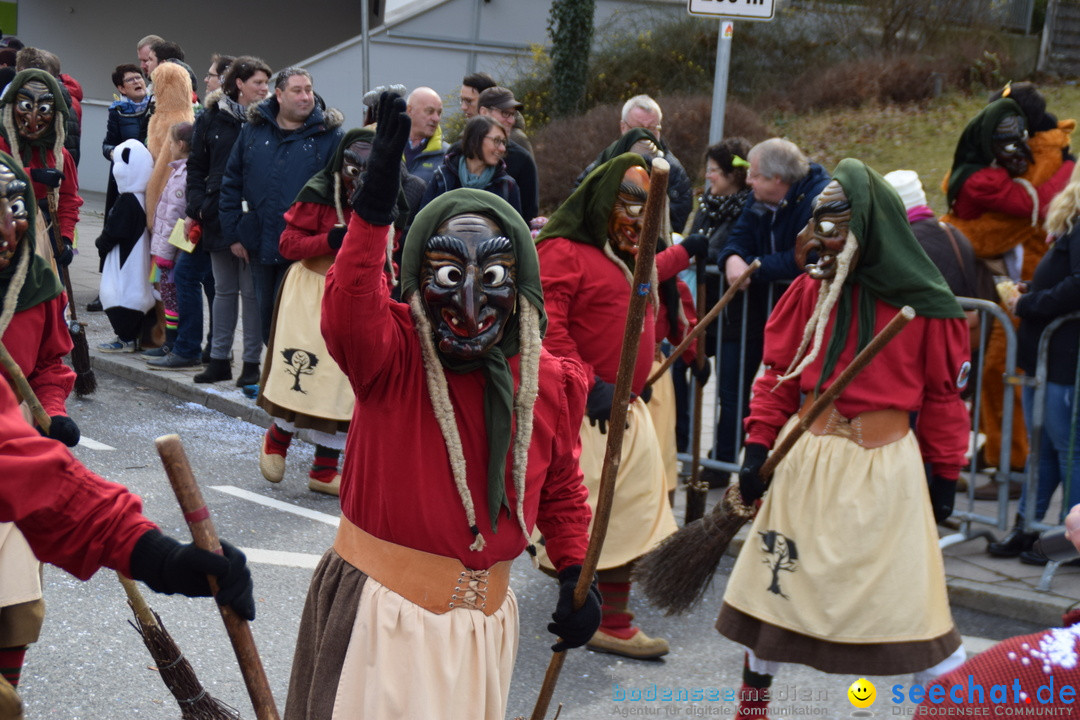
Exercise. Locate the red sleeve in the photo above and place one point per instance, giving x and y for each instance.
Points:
(306, 228)
(943, 423)
(356, 297)
(563, 517)
(993, 189)
(671, 262)
(771, 406)
(69, 201)
(52, 380)
(561, 274)
(71, 517)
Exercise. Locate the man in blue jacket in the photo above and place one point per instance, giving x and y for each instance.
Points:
(287, 139)
(784, 184)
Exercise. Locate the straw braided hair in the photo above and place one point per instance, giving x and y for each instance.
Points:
(819, 318)
(524, 402)
(15, 287)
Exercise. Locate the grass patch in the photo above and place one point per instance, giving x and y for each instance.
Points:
(920, 136)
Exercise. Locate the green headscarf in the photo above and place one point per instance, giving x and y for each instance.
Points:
(7, 103)
(975, 150)
(627, 141)
(583, 217)
(892, 266)
(499, 389)
(320, 188)
(41, 283)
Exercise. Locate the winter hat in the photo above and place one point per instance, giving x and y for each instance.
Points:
(908, 187)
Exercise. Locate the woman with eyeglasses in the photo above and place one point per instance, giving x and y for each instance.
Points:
(476, 162)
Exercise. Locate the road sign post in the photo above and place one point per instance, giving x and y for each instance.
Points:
(762, 10)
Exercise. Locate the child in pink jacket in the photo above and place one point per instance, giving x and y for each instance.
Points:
(170, 208)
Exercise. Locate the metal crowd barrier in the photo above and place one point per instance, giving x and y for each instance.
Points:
(1038, 417)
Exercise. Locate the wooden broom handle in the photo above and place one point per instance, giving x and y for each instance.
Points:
(705, 321)
(635, 317)
(205, 536)
(902, 318)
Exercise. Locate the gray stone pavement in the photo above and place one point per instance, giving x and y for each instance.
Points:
(975, 579)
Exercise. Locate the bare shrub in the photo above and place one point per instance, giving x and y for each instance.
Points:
(563, 148)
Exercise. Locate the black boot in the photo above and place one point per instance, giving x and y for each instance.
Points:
(1015, 541)
(215, 370)
(249, 375)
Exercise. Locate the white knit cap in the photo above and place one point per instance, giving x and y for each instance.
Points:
(907, 185)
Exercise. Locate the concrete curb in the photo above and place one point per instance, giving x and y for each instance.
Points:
(183, 389)
(1040, 608)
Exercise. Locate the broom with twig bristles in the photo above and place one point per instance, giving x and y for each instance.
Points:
(176, 672)
(676, 573)
(85, 380)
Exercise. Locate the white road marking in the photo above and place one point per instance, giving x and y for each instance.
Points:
(277, 504)
(94, 444)
(282, 558)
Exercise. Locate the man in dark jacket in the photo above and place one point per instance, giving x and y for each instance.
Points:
(287, 140)
(641, 111)
(784, 184)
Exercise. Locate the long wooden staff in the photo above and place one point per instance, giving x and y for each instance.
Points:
(205, 536)
(704, 322)
(695, 493)
(635, 317)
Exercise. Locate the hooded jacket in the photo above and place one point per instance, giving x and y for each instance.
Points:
(266, 169)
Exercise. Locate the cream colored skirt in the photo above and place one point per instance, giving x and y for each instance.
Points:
(302, 376)
(662, 410)
(641, 515)
(844, 548)
(406, 662)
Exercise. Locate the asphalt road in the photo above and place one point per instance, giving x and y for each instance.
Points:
(90, 663)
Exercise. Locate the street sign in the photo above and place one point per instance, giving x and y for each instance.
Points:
(740, 9)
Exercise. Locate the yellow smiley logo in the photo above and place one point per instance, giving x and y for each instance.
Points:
(862, 693)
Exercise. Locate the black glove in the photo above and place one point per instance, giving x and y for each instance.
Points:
(702, 373)
(49, 177)
(375, 199)
(697, 245)
(751, 484)
(64, 429)
(574, 627)
(646, 396)
(66, 254)
(167, 566)
(598, 404)
(942, 497)
(336, 236)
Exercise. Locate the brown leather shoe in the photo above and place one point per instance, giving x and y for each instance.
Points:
(638, 647)
(330, 488)
(11, 707)
(989, 491)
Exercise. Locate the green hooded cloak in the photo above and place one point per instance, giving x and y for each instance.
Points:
(975, 150)
(320, 188)
(41, 283)
(7, 109)
(892, 266)
(499, 389)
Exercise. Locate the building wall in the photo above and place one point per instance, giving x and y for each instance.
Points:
(435, 47)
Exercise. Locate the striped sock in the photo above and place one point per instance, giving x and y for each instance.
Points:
(277, 441)
(11, 662)
(615, 617)
(172, 319)
(325, 466)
